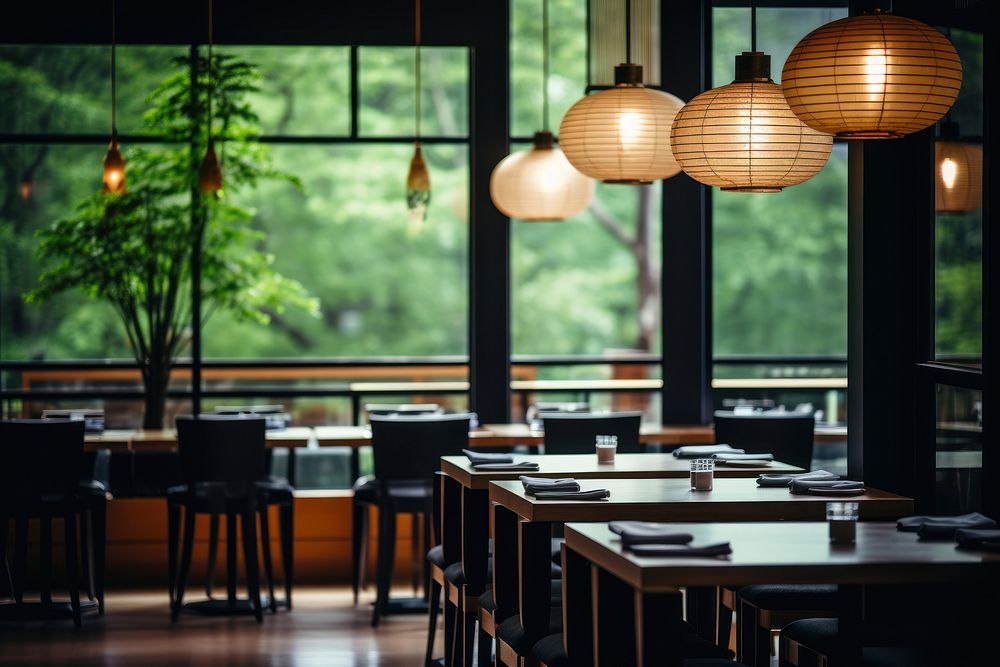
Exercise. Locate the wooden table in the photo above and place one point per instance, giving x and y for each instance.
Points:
(599, 575)
(522, 525)
(682, 434)
(165, 440)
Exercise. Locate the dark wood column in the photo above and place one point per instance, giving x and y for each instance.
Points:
(686, 286)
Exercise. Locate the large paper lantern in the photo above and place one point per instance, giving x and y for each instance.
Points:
(958, 173)
(742, 137)
(539, 184)
(876, 76)
(622, 135)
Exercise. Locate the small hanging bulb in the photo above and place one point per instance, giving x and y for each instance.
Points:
(210, 173)
(26, 188)
(114, 169)
(418, 190)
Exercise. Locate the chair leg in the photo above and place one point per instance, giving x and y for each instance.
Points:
(450, 623)
(416, 561)
(484, 651)
(7, 583)
(20, 557)
(265, 546)
(45, 558)
(725, 620)
(359, 535)
(86, 554)
(231, 558)
(173, 537)
(468, 635)
(98, 541)
(434, 607)
(213, 553)
(386, 559)
(71, 566)
(187, 546)
(250, 560)
(286, 515)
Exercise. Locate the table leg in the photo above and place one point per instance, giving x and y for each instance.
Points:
(475, 539)
(702, 610)
(535, 555)
(504, 524)
(615, 628)
(657, 629)
(850, 614)
(578, 627)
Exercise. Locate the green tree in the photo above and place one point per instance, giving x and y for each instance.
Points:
(133, 250)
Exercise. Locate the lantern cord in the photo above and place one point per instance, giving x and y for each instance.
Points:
(114, 75)
(753, 26)
(628, 31)
(545, 65)
(417, 62)
(211, 27)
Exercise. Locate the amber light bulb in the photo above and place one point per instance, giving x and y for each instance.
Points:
(210, 173)
(114, 169)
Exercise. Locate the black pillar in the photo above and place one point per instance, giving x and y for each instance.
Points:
(489, 230)
(686, 284)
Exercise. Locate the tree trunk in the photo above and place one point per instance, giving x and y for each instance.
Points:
(155, 380)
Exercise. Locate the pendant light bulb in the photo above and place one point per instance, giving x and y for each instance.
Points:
(114, 169)
(958, 172)
(26, 188)
(418, 189)
(210, 173)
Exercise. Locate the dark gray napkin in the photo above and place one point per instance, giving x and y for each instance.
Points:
(840, 487)
(533, 485)
(688, 550)
(526, 466)
(645, 532)
(979, 539)
(700, 451)
(943, 527)
(727, 456)
(485, 457)
(785, 480)
(593, 494)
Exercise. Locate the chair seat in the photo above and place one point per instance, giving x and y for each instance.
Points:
(436, 556)
(550, 651)
(278, 490)
(512, 634)
(790, 597)
(488, 602)
(365, 489)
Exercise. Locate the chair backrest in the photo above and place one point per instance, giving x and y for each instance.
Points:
(222, 448)
(39, 456)
(569, 433)
(403, 409)
(410, 448)
(787, 435)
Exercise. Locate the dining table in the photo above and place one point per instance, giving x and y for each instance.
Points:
(617, 604)
(522, 527)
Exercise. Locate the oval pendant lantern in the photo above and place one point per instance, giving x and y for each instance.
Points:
(622, 135)
(540, 185)
(113, 179)
(418, 178)
(958, 173)
(874, 76)
(210, 172)
(742, 137)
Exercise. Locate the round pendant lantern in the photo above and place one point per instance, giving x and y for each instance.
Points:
(742, 137)
(622, 135)
(958, 173)
(876, 76)
(539, 184)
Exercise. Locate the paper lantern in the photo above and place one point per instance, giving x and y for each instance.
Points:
(742, 137)
(539, 184)
(958, 173)
(876, 76)
(622, 135)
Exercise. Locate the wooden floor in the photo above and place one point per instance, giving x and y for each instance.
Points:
(323, 629)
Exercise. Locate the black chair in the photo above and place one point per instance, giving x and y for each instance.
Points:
(366, 495)
(787, 435)
(223, 465)
(570, 433)
(407, 453)
(39, 479)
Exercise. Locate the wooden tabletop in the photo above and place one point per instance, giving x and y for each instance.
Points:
(787, 552)
(585, 466)
(165, 440)
(673, 500)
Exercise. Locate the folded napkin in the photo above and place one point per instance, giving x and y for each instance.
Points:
(644, 532)
(838, 487)
(533, 485)
(689, 550)
(980, 539)
(697, 451)
(484, 457)
(943, 526)
(785, 480)
(525, 466)
(593, 494)
(742, 458)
